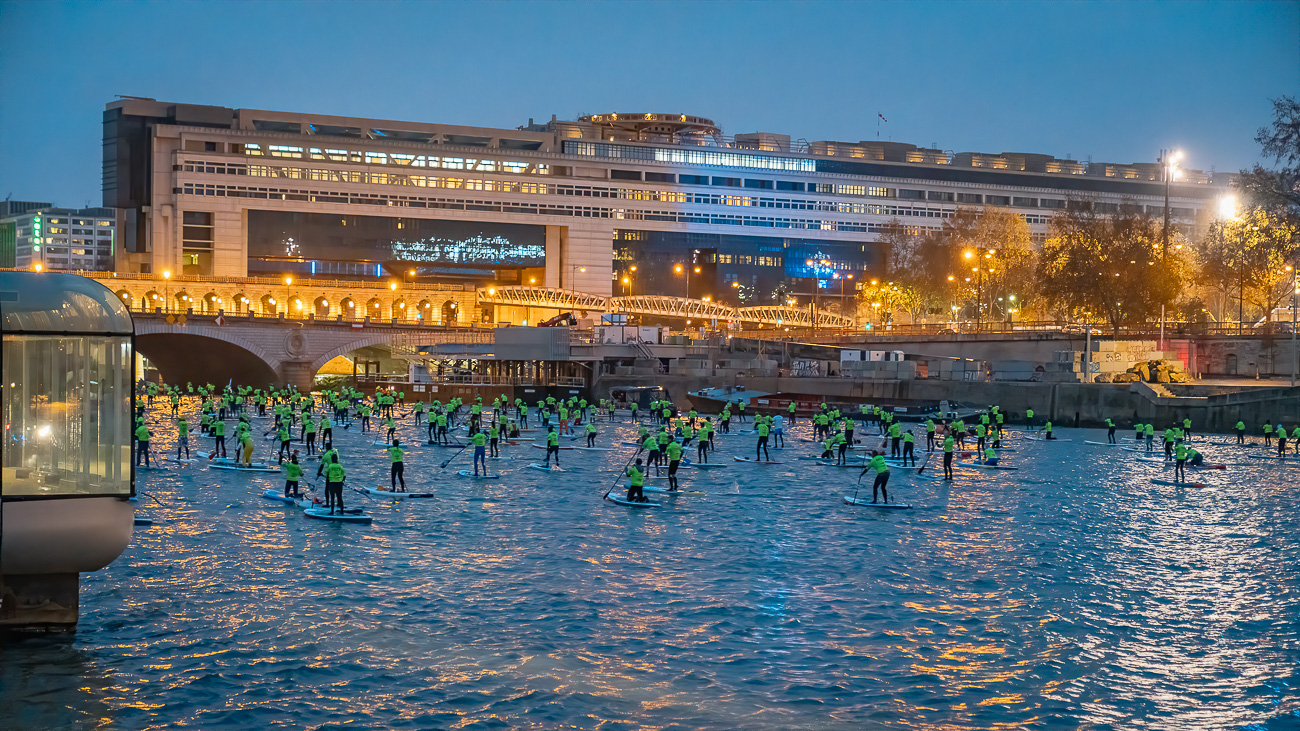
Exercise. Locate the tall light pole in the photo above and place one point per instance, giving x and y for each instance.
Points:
(573, 270)
(1169, 166)
(288, 281)
(167, 290)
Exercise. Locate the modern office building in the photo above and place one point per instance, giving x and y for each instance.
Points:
(609, 204)
(73, 239)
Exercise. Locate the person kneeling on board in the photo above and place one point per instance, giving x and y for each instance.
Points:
(1048, 429)
(990, 456)
(636, 478)
(398, 471)
(292, 473)
(1194, 458)
(877, 463)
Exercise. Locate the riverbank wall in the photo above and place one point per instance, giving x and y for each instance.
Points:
(1066, 404)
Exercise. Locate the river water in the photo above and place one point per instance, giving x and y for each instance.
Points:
(1072, 593)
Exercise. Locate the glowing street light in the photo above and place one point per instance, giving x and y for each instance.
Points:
(1227, 207)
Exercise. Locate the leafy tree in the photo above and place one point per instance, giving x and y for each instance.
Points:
(1256, 252)
(1280, 188)
(1108, 267)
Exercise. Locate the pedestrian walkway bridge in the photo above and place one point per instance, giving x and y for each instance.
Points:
(659, 306)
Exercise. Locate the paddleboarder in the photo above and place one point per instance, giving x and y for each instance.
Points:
(292, 474)
(877, 463)
(636, 479)
(397, 473)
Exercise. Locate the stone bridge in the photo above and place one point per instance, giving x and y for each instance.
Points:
(272, 349)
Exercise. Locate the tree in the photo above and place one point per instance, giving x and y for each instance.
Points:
(1280, 188)
(1259, 254)
(1108, 267)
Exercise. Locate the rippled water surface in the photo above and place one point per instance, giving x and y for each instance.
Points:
(1073, 593)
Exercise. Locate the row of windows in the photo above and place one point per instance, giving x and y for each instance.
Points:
(233, 191)
(503, 186)
(687, 157)
(78, 221)
(396, 158)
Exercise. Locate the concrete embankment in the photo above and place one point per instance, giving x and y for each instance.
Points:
(1068, 404)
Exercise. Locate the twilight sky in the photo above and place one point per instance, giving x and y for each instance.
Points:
(1116, 81)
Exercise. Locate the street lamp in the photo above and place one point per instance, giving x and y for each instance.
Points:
(573, 285)
(288, 296)
(1169, 168)
(626, 282)
(167, 290)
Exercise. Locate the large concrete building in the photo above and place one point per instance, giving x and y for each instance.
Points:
(609, 204)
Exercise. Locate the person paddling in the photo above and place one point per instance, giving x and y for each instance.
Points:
(877, 463)
(292, 474)
(397, 473)
(636, 479)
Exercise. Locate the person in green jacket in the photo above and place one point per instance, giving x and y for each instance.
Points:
(1180, 462)
(636, 479)
(1029, 419)
(909, 447)
(877, 463)
(674, 461)
(552, 446)
(1110, 431)
(219, 437)
(246, 445)
(1047, 428)
(1268, 434)
(591, 433)
(334, 476)
(142, 443)
(182, 437)
(1241, 432)
(283, 435)
(948, 443)
(760, 452)
(990, 456)
(398, 471)
(292, 474)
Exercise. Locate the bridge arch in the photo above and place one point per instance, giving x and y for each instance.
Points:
(348, 308)
(190, 355)
(374, 309)
(450, 312)
(321, 308)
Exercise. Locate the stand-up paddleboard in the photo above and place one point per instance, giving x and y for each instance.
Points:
(1172, 483)
(665, 491)
(631, 444)
(895, 466)
(754, 461)
(383, 444)
(1154, 459)
(324, 514)
(149, 467)
(279, 496)
(592, 449)
(816, 459)
(558, 446)
(1101, 444)
(544, 468)
(706, 466)
(987, 466)
(1045, 439)
(829, 463)
(630, 503)
(1135, 449)
(470, 474)
(444, 446)
(143, 521)
(381, 491)
(255, 467)
(1274, 458)
(864, 503)
(183, 461)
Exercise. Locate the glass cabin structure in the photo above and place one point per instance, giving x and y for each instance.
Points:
(68, 349)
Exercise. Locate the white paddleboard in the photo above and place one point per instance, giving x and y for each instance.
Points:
(630, 503)
(753, 461)
(278, 496)
(1101, 444)
(324, 514)
(544, 468)
(255, 467)
(470, 474)
(864, 503)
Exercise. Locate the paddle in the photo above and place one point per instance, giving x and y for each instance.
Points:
(449, 459)
(925, 463)
(621, 473)
(859, 484)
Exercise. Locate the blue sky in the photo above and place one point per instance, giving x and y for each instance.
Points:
(1116, 81)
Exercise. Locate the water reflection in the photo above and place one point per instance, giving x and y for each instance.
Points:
(1072, 593)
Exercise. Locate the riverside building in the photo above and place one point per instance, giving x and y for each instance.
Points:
(41, 236)
(609, 204)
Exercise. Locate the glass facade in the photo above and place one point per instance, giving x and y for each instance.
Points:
(740, 270)
(67, 415)
(369, 246)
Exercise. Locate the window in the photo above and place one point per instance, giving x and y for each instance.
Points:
(851, 189)
(876, 191)
(970, 198)
(624, 175)
(729, 182)
(938, 195)
(285, 151)
(1108, 208)
(209, 147)
(789, 185)
(908, 194)
(997, 200)
(1051, 203)
(693, 179)
(1025, 202)
(197, 231)
(765, 184)
(660, 178)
